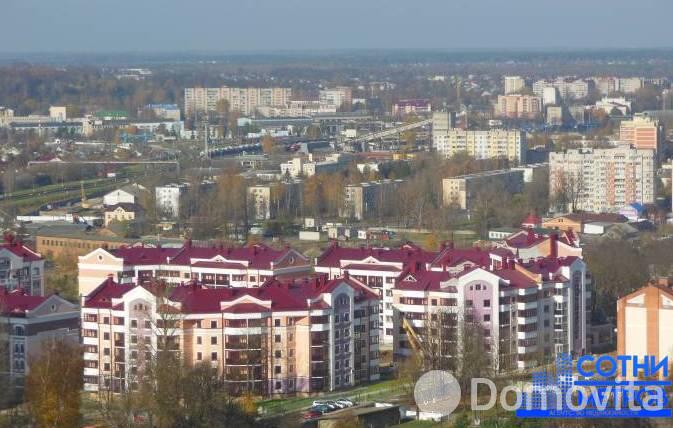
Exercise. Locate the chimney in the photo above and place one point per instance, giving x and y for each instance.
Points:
(553, 243)
(531, 236)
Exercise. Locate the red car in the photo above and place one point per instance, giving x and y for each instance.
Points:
(312, 414)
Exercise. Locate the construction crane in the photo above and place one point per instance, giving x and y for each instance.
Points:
(415, 341)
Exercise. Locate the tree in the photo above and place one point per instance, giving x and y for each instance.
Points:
(53, 385)
(268, 144)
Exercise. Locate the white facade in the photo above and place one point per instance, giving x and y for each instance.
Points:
(513, 84)
(168, 199)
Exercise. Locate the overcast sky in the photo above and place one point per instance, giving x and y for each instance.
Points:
(264, 25)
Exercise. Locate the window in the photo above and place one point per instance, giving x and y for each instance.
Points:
(487, 303)
(213, 356)
(279, 385)
(106, 336)
(106, 320)
(278, 354)
(277, 338)
(106, 367)
(276, 323)
(468, 303)
(213, 340)
(336, 318)
(277, 369)
(291, 368)
(199, 356)
(148, 325)
(213, 324)
(134, 323)
(198, 340)
(487, 318)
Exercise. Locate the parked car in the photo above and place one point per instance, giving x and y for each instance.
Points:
(322, 408)
(345, 402)
(312, 414)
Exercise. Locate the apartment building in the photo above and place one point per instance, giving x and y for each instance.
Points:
(163, 111)
(265, 199)
(168, 200)
(526, 311)
(216, 266)
(123, 212)
(379, 268)
(243, 100)
(463, 191)
(337, 97)
(311, 166)
(568, 88)
(28, 323)
(513, 84)
(286, 337)
(642, 132)
(625, 85)
(366, 200)
(645, 323)
(602, 180)
(494, 143)
(21, 267)
(518, 106)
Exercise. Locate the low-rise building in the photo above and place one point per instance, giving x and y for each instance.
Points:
(123, 212)
(411, 106)
(293, 337)
(129, 194)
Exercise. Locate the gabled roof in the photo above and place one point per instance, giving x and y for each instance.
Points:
(19, 249)
(425, 281)
(16, 303)
(143, 255)
(257, 256)
(102, 296)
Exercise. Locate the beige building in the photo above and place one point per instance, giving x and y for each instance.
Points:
(123, 212)
(259, 198)
(288, 337)
(495, 143)
(602, 180)
(243, 100)
(642, 133)
(462, 191)
(645, 323)
(518, 106)
(337, 97)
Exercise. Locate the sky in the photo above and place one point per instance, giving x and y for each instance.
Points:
(102, 26)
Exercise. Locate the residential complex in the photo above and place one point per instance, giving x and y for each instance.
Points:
(526, 310)
(412, 106)
(463, 191)
(30, 322)
(284, 337)
(309, 167)
(602, 180)
(495, 143)
(518, 106)
(216, 266)
(243, 100)
(366, 200)
(642, 132)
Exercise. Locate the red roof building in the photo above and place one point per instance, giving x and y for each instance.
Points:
(284, 337)
(21, 267)
(214, 265)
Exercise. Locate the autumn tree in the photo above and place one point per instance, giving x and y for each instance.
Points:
(53, 385)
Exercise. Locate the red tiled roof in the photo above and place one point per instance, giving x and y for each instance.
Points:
(19, 249)
(18, 302)
(425, 280)
(102, 296)
(406, 254)
(454, 256)
(525, 239)
(144, 255)
(515, 278)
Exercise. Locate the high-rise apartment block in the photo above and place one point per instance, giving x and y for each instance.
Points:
(341, 95)
(602, 180)
(495, 143)
(243, 100)
(513, 84)
(369, 199)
